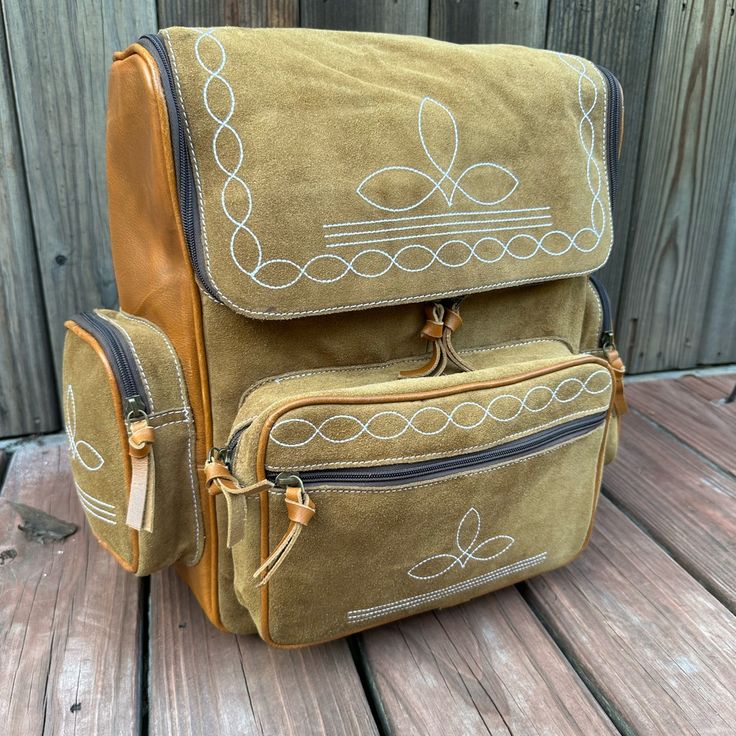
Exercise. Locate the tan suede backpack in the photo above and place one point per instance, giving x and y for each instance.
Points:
(289, 405)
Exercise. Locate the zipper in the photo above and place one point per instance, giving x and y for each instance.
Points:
(388, 475)
(121, 361)
(186, 188)
(613, 126)
(606, 338)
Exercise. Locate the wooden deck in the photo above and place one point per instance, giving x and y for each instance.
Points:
(638, 636)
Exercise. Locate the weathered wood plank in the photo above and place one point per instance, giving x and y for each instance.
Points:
(59, 55)
(386, 16)
(484, 667)
(618, 35)
(27, 393)
(714, 389)
(654, 645)
(476, 21)
(687, 505)
(206, 682)
(693, 419)
(68, 615)
(250, 13)
(686, 164)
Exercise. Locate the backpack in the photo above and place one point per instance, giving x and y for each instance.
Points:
(361, 368)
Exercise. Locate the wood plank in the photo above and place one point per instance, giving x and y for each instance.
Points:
(714, 389)
(484, 667)
(707, 427)
(476, 21)
(686, 504)
(618, 35)
(204, 681)
(27, 392)
(686, 164)
(385, 16)
(655, 646)
(68, 615)
(60, 54)
(250, 13)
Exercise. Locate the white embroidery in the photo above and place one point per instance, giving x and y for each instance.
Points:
(415, 601)
(557, 394)
(99, 509)
(440, 564)
(371, 263)
(97, 461)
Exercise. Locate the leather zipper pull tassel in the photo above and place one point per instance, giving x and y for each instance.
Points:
(142, 476)
(619, 400)
(300, 509)
(452, 323)
(432, 332)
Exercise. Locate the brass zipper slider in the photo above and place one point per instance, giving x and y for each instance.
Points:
(614, 359)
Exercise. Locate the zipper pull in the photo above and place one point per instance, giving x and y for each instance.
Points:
(219, 479)
(616, 362)
(452, 323)
(432, 331)
(300, 509)
(141, 437)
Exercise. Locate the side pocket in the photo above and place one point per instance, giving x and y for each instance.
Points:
(131, 440)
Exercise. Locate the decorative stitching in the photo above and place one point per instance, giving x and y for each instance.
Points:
(190, 427)
(70, 425)
(486, 412)
(403, 604)
(94, 506)
(467, 551)
(232, 177)
(403, 458)
(599, 306)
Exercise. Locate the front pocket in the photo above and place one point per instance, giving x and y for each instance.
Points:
(413, 494)
(131, 440)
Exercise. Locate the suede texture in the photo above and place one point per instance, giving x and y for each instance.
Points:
(339, 171)
(177, 528)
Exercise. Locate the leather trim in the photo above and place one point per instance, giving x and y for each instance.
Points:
(84, 335)
(152, 267)
(409, 396)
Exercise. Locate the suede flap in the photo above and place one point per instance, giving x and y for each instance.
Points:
(339, 171)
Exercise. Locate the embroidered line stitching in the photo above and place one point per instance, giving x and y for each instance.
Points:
(486, 412)
(433, 256)
(403, 604)
(99, 509)
(71, 432)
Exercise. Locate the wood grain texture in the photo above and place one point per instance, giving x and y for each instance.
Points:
(203, 681)
(27, 393)
(59, 55)
(654, 645)
(68, 615)
(684, 170)
(707, 426)
(619, 35)
(477, 21)
(249, 13)
(681, 500)
(385, 16)
(485, 667)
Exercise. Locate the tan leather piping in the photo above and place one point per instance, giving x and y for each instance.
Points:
(410, 396)
(84, 335)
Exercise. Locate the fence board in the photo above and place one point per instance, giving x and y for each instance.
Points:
(619, 35)
(386, 16)
(250, 13)
(684, 169)
(27, 394)
(476, 21)
(58, 55)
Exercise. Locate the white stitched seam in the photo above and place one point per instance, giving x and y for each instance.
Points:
(92, 499)
(70, 425)
(190, 427)
(168, 424)
(485, 446)
(599, 307)
(157, 414)
(134, 352)
(363, 614)
(364, 427)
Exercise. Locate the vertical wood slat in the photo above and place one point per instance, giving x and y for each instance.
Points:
(248, 13)
(58, 56)
(476, 21)
(385, 16)
(619, 35)
(27, 394)
(685, 166)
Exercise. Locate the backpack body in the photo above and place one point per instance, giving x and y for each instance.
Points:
(360, 368)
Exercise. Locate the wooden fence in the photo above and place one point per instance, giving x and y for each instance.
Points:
(673, 270)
